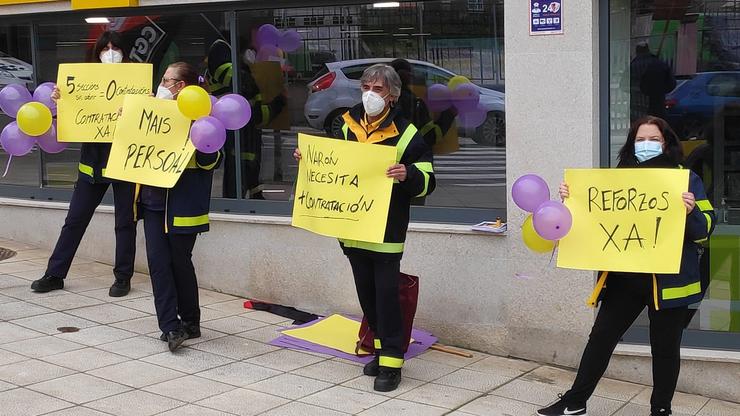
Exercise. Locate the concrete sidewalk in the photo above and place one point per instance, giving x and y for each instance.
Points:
(116, 365)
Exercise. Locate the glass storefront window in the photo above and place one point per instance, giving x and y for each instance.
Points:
(16, 67)
(680, 61)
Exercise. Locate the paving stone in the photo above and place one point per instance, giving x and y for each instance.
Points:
(453, 360)
(233, 324)
(136, 374)
(330, 371)
(631, 409)
(264, 334)
(552, 376)
(107, 313)
(239, 374)
(529, 391)
(285, 360)
(188, 360)
(617, 390)
(503, 366)
(84, 286)
(440, 396)
(194, 410)
(21, 309)
(144, 325)
(243, 402)
(266, 317)
(50, 323)
(19, 266)
(403, 407)
(42, 346)
(102, 293)
(365, 383)
(345, 399)
(135, 347)
(491, 405)
(8, 357)
(135, 403)
(681, 403)
(9, 332)
(97, 335)
(189, 388)
(32, 371)
(208, 297)
(302, 409)
(85, 359)
(24, 402)
(425, 370)
(235, 347)
(79, 388)
(289, 386)
(77, 411)
(7, 281)
(66, 301)
(231, 307)
(719, 408)
(143, 304)
(599, 406)
(473, 380)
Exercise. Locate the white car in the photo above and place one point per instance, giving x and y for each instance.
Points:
(14, 71)
(336, 88)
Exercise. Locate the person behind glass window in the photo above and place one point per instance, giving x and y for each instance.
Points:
(376, 266)
(172, 220)
(650, 80)
(219, 75)
(89, 190)
(650, 144)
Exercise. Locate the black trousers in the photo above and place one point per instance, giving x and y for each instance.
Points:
(624, 300)
(85, 198)
(171, 269)
(377, 283)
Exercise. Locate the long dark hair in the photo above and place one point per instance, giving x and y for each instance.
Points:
(115, 39)
(672, 150)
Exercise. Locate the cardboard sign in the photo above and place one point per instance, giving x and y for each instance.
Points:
(269, 79)
(629, 220)
(92, 94)
(342, 190)
(151, 144)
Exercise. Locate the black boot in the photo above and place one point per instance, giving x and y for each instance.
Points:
(372, 368)
(47, 283)
(120, 287)
(388, 379)
(192, 329)
(175, 339)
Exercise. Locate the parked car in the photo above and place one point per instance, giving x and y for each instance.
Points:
(14, 71)
(691, 106)
(336, 88)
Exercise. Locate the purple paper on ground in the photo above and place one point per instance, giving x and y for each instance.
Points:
(422, 341)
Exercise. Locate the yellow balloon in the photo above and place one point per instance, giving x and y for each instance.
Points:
(193, 102)
(532, 240)
(34, 118)
(455, 81)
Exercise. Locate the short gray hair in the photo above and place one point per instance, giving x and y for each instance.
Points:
(385, 73)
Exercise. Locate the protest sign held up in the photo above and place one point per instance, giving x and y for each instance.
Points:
(92, 94)
(151, 145)
(342, 189)
(629, 220)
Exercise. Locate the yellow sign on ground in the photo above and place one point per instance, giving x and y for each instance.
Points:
(335, 332)
(342, 190)
(92, 94)
(629, 220)
(151, 144)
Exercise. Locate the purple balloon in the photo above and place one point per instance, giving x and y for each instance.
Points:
(529, 192)
(466, 97)
(438, 98)
(14, 141)
(267, 35)
(552, 220)
(268, 53)
(12, 98)
(290, 40)
(208, 134)
(213, 102)
(472, 119)
(233, 111)
(43, 93)
(48, 141)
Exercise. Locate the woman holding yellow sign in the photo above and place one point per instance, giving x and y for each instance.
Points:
(376, 267)
(172, 220)
(650, 144)
(90, 188)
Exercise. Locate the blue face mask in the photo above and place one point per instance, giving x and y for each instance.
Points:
(647, 149)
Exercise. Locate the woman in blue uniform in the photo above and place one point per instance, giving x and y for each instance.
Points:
(172, 220)
(90, 188)
(650, 144)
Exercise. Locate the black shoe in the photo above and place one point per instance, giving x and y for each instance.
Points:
(175, 339)
(192, 329)
(388, 379)
(560, 408)
(372, 368)
(119, 288)
(660, 412)
(163, 337)
(47, 284)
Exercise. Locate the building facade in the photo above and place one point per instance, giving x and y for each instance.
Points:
(551, 101)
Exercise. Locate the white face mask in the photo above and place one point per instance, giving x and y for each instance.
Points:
(164, 93)
(111, 56)
(373, 103)
(647, 149)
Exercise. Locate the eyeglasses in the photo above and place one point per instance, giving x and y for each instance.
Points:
(165, 79)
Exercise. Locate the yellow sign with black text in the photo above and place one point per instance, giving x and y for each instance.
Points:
(628, 220)
(342, 190)
(151, 144)
(80, 4)
(92, 94)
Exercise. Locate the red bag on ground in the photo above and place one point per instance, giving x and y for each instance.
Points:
(408, 286)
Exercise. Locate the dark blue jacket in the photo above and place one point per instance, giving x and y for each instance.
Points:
(684, 288)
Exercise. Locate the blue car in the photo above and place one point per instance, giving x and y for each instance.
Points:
(691, 107)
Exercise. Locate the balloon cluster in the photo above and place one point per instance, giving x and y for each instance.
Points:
(212, 116)
(34, 119)
(548, 222)
(271, 40)
(461, 94)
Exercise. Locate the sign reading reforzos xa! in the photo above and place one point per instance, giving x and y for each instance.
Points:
(80, 4)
